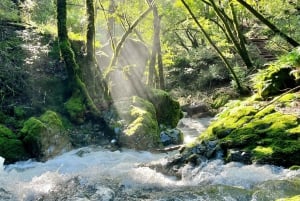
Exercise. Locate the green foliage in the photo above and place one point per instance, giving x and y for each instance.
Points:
(8, 11)
(198, 70)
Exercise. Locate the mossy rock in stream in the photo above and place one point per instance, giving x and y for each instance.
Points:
(44, 137)
(168, 111)
(267, 134)
(11, 147)
(141, 131)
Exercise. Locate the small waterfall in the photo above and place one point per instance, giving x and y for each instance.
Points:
(93, 173)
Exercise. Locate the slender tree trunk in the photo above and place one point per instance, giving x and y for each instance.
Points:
(269, 24)
(111, 20)
(230, 69)
(154, 46)
(90, 35)
(73, 70)
(242, 40)
(234, 37)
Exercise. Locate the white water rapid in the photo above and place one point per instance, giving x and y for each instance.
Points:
(93, 173)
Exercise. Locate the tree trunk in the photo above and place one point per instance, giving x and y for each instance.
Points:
(154, 47)
(111, 21)
(269, 24)
(228, 66)
(230, 27)
(68, 55)
(90, 35)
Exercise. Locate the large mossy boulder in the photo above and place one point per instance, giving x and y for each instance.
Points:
(141, 130)
(44, 137)
(11, 147)
(264, 133)
(168, 111)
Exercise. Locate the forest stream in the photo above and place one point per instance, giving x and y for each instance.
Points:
(94, 173)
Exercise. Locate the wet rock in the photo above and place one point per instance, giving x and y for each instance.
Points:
(197, 110)
(171, 137)
(45, 137)
(141, 128)
(238, 156)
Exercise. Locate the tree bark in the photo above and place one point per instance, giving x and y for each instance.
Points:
(68, 55)
(230, 27)
(228, 66)
(90, 35)
(276, 30)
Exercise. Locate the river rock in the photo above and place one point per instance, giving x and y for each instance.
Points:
(171, 137)
(238, 156)
(140, 130)
(197, 110)
(45, 137)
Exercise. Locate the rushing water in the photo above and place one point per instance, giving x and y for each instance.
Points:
(93, 173)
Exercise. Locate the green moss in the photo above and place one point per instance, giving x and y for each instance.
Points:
(19, 112)
(220, 100)
(6, 132)
(11, 148)
(271, 136)
(294, 131)
(33, 126)
(50, 117)
(293, 198)
(76, 108)
(142, 130)
(280, 123)
(35, 129)
(265, 111)
(260, 153)
(287, 98)
(295, 167)
(32, 130)
(168, 110)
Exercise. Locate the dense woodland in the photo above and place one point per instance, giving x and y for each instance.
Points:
(120, 73)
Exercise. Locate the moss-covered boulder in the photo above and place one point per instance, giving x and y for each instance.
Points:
(279, 76)
(140, 130)
(44, 137)
(168, 111)
(11, 147)
(270, 134)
